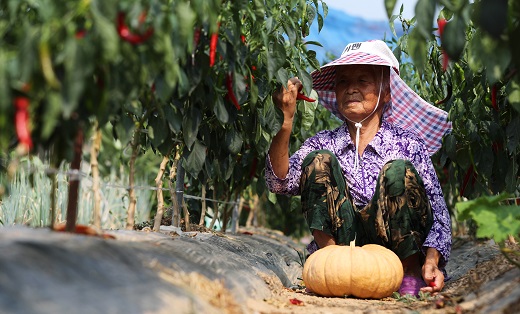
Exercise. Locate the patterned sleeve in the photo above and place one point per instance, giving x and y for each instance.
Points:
(290, 185)
(440, 233)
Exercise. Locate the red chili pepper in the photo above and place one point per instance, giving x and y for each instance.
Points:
(301, 96)
(142, 17)
(296, 301)
(196, 40)
(125, 33)
(445, 174)
(231, 94)
(22, 121)
(494, 97)
(449, 93)
(213, 47)
(80, 34)
(253, 68)
(243, 38)
(84, 229)
(26, 87)
(99, 80)
(445, 58)
(252, 172)
(497, 146)
(196, 37)
(470, 173)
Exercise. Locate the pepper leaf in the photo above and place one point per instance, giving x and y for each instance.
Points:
(493, 219)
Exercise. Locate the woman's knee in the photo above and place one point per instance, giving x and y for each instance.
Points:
(398, 174)
(318, 164)
(398, 168)
(321, 155)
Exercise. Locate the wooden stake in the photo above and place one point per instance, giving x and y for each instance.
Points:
(203, 213)
(130, 219)
(160, 198)
(94, 164)
(72, 203)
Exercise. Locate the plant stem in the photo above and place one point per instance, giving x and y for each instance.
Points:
(179, 192)
(203, 211)
(54, 187)
(94, 164)
(130, 219)
(235, 215)
(175, 205)
(72, 205)
(160, 198)
(186, 216)
(509, 258)
(225, 215)
(253, 202)
(215, 209)
(52, 193)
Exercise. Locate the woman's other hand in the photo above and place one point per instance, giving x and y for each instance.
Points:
(432, 275)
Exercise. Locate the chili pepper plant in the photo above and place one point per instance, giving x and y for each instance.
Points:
(466, 59)
(186, 78)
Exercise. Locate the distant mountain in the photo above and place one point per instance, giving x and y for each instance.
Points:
(340, 28)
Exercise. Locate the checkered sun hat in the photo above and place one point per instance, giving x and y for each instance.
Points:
(406, 109)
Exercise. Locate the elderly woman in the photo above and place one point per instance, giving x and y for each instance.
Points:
(371, 179)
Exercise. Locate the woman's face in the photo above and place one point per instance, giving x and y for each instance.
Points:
(357, 90)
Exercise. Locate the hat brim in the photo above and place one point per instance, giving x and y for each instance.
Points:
(323, 79)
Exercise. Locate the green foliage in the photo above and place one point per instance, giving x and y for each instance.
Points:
(495, 219)
(76, 63)
(480, 88)
(285, 214)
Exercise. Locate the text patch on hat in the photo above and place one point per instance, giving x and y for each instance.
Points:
(354, 46)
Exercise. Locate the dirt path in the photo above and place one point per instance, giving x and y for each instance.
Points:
(253, 271)
(482, 281)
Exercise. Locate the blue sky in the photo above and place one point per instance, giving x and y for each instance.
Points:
(353, 21)
(372, 9)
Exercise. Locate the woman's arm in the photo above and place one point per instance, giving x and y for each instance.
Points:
(439, 237)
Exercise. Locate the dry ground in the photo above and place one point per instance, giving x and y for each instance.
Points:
(253, 271)
(487, 287)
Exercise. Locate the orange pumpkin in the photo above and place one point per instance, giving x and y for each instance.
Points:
(370, 271)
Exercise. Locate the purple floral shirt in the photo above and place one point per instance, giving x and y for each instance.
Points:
(390, 142)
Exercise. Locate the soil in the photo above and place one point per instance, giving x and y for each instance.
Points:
(458, 296)
(201, 271)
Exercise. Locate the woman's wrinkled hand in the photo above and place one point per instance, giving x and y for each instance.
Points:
(285, 98)
(433, 277)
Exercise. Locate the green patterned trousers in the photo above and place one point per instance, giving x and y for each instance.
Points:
(399, 216)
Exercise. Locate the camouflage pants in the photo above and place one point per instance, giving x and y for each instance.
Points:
(398, 217)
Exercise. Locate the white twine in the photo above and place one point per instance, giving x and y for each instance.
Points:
(78, 175)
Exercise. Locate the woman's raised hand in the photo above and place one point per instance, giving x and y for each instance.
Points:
(285, 98)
